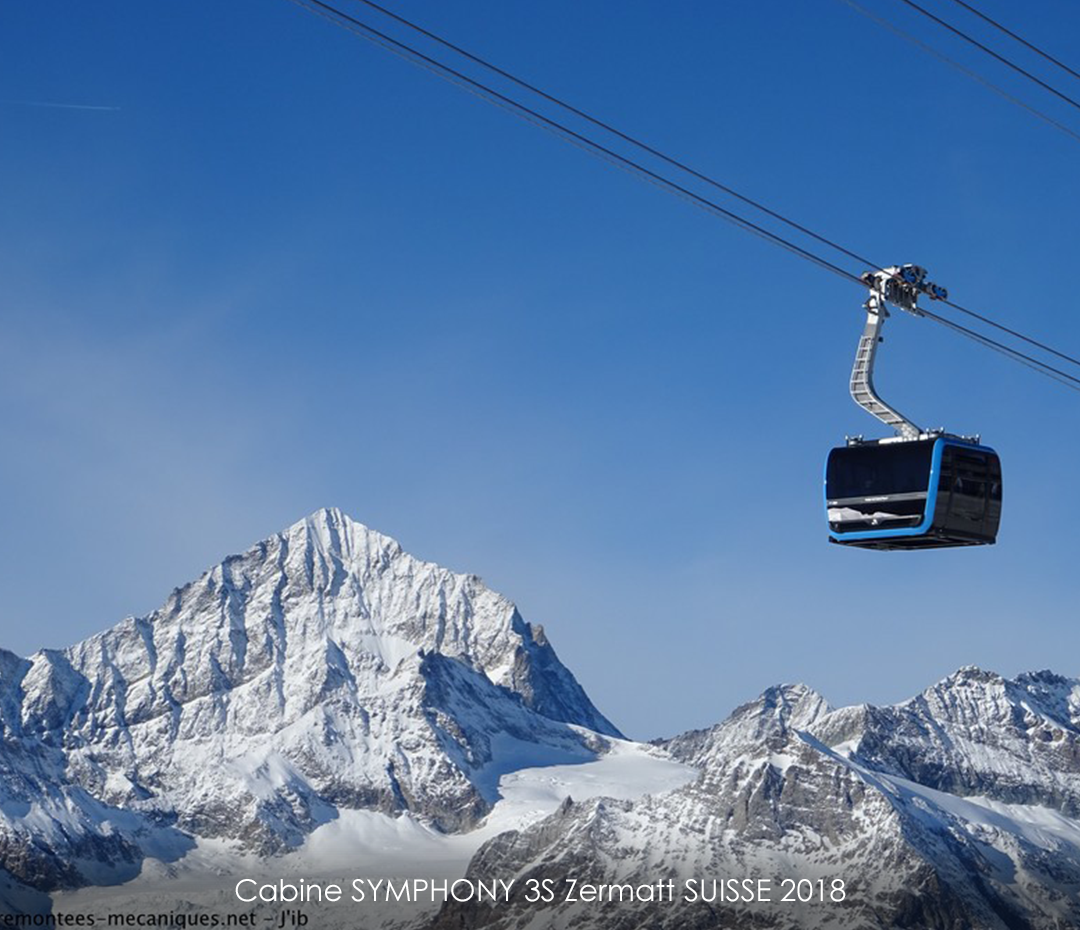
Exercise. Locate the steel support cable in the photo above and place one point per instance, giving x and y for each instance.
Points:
(952, 63)
(978, 316)
(989, 51)
(944, 58)
(343, 20)
(1042, 368)
(607, 127)
(491, 95)
(682, 166)
(1020, 39)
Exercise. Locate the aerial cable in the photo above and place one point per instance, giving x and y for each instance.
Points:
(952, 63)
(485, 92)
(1056, 374)
(1012, 332)
(490, 95)
(1020, 39)
(532, 88)
(682, 166)
(607, 127)
(989, 51)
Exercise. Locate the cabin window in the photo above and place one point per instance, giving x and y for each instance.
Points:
(873, 471)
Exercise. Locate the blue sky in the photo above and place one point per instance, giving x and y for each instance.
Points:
(291, 271)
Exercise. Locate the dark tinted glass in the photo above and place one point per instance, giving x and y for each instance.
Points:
(975, 462)
(995, 477)
(871, 471)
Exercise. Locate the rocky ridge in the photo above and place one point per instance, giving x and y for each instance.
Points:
(952, 810)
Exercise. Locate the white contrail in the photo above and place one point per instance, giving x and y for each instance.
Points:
(61, 106)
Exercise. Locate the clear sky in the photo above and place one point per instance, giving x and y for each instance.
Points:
(286, 270)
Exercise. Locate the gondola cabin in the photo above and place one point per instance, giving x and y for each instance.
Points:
(913, 494)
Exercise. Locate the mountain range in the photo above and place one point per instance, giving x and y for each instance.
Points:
(326, 703)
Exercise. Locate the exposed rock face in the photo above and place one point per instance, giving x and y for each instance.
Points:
(976, 733)
(947, 811)
(324, 668)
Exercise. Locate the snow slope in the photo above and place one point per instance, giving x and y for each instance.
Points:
(374, 844)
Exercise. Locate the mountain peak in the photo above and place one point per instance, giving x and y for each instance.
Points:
(333, 530)
(972, 674)
(283, 685)
(769, 720)
(972, 692)
(797, 704)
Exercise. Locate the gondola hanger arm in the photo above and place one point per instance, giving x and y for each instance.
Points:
(900, 286)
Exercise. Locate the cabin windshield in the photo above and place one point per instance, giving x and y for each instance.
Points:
(877, 471)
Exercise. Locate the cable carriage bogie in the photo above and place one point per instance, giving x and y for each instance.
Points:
(918, 489)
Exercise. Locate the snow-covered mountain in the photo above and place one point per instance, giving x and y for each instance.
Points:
(956, 809)
(326, 705)
(324, 669)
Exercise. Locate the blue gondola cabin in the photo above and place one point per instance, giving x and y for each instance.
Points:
(914, 494)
